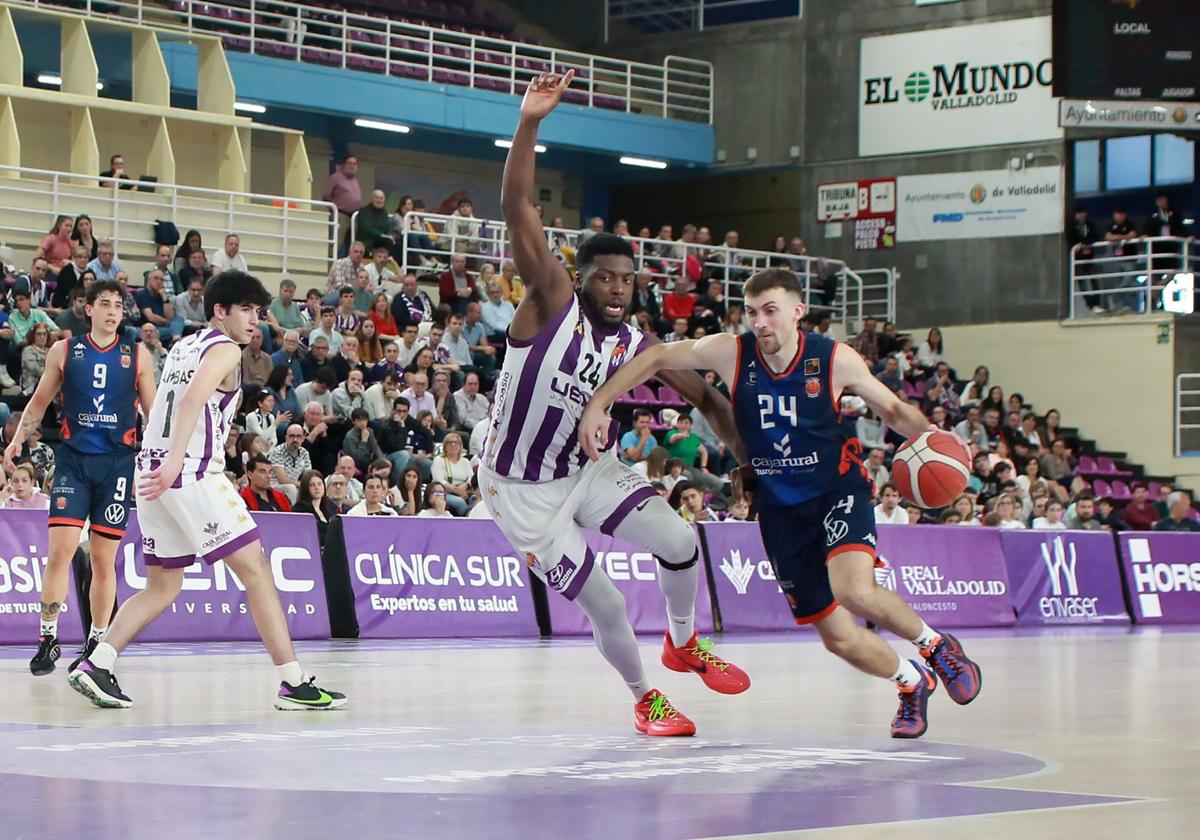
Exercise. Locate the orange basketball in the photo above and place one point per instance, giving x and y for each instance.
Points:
(931, 469)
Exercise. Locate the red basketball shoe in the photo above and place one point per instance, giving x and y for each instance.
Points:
(958, 672)
(654, 715)
(697, 656)
(910, 720)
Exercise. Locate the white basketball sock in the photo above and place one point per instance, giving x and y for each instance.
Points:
(104, 656)
(97, 633)
(907, 675)
(290, 673)
(49, 627)
(927, 636)
(604, 607)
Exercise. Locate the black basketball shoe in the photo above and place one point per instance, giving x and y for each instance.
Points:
(88, 647)
(47, 654)
(99, 686)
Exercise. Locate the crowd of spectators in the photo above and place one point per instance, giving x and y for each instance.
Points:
(370, 395)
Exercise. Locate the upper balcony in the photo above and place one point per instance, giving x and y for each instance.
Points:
(449, 78)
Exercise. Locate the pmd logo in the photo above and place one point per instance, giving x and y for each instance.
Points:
(947, 218)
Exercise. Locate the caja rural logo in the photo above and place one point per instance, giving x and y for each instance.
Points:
(961, 85)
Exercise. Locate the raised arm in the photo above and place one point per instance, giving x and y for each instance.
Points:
(713, 352)
(35, 409)
(218, 362)
(547, 283)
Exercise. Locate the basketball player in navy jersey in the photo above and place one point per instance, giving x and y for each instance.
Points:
(188, 509)
(539, 487)
(815, 498)
(102, 379)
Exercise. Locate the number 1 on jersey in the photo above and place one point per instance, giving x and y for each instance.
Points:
(170, 411)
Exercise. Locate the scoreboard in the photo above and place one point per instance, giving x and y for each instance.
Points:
(1127, 49)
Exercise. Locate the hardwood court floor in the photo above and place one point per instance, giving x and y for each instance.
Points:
(1078, 733)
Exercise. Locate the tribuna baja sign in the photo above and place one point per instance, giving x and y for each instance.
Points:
(962, 85)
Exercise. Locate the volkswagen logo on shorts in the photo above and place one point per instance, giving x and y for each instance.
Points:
(115, 513)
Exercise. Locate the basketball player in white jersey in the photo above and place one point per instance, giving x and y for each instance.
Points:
(187, 508)
(540, 488)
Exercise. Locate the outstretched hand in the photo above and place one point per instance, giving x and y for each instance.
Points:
(593, 430)
(544, 93)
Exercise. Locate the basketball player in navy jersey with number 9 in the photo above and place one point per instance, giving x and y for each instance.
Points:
(815, 509)
(103, 378)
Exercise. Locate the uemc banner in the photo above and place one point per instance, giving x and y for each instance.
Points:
(1064, 577)
(212, 605)
(427, 577)
(953, 577)
(957, 87)
(635, 573)
(747, 594)
(24, 550)
(1162, 571)
(980, 205)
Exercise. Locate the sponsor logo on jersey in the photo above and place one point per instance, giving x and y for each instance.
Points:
(124, 361)
(60, 503)
(812, 367)
(618, 356)
(812, 387)
(78, 351)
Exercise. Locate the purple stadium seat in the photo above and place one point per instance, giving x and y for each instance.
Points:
(625, 399)
(668, 397)
(643, 395)
(1101, 488)
(1109, 467)
(657, 424)
(1152, 489)
(1120, 490)
(1087, 465)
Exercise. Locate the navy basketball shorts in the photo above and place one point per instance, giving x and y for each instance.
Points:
(801, 540)
(95, 486)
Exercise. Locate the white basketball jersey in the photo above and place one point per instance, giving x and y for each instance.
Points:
(542, 391)
(206, 445)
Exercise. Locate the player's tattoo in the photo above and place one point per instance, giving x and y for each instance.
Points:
(50, 611)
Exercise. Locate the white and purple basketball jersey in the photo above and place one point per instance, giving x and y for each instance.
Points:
(206, 447)
(543, 388)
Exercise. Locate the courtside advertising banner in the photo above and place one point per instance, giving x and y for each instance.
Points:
(24, 550)
(1064, 577)
(436, 577)
(952, 577)
(635, 573)
(747, 593)
(212, 605)
(980, 205)
(958, 87)
(1162, 571)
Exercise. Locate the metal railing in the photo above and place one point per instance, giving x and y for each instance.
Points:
(1187, 405)
(1121, 277)
(679, 88)
(679, 15)
(271, 227)
(431, 239)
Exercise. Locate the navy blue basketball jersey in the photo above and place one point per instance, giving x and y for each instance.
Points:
(99, 394)
(791, 421)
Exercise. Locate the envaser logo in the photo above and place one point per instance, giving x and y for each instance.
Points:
(1060, 559)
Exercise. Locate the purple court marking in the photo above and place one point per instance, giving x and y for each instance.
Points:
(343, 775)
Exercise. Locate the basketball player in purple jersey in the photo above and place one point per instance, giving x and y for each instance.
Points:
(102, 379)
(815, 510)
(534, 479)
(186, 506)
